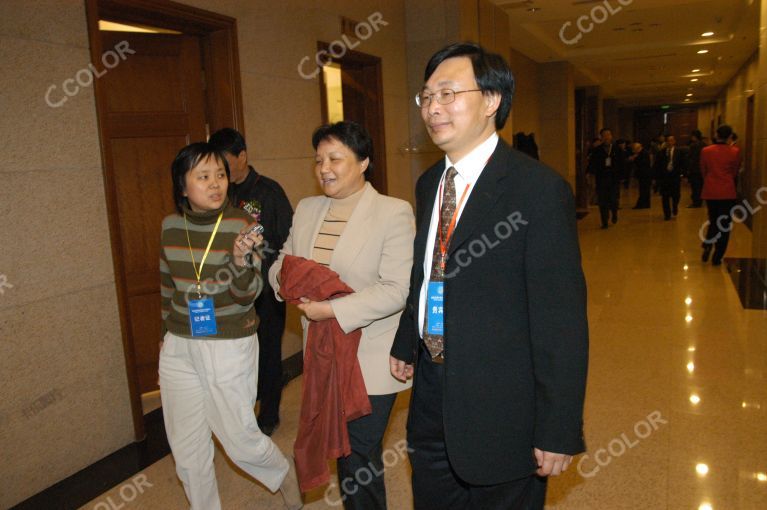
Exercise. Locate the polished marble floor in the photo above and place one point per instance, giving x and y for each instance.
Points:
(676, 402)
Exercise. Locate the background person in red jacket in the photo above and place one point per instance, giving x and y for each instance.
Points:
(719, 164)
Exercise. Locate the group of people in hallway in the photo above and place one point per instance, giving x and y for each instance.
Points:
(494, 346)
(711, 170)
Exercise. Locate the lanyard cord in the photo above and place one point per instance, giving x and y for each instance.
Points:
(197, 272)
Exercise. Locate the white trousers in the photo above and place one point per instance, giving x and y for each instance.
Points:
(210, 386)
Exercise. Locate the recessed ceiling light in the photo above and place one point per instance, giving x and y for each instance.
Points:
(687, 101)
(694, 79)
(701, 52)
(533, 9)
(689, 94)
(696, 70)
(707, 34)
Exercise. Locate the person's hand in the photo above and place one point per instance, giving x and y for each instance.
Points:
(399, 369)
(316, 310)
(244, 244)
(550, 463)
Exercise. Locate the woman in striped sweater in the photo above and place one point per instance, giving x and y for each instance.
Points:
(210, 276)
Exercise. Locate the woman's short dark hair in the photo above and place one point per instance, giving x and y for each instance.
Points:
(350, 134)
(490, 70)
(186, 159)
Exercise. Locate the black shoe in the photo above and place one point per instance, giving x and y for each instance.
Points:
(268, 428)
(615, 219)
(676, 211)
(716, 262)
(706, 253)
(604, 227)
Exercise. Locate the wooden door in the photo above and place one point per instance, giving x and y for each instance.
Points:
(681, 123)
(154, 105)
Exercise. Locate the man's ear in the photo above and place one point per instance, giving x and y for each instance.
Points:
(242, 157)
(364, 164)
(493, 102)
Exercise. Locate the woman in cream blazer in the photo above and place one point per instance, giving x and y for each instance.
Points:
(367, 238)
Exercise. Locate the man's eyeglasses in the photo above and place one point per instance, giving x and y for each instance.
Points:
(444, 96)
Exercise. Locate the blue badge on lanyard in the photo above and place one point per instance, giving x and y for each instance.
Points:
(202, 317)
(435, 298)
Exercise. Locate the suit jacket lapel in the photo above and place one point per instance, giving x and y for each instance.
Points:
(483, 197)
(356, 232)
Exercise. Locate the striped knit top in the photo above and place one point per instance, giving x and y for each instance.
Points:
(333, 226)
(232, 289)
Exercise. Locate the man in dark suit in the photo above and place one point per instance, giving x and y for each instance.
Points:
(494, 331)
(271, 208)
(640, 160)
(669, 167)
(606, 163)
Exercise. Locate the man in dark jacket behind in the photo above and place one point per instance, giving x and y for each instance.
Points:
(669, 167)
(640, 160)
(271, 208)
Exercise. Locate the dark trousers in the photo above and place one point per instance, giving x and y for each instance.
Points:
(435, 485)
(670, 194)
(720, 224)
(361, 474)
(644, 192)
(272, 324)
(608, 192)
(696, 186)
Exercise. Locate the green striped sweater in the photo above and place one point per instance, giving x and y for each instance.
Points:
(232, 289)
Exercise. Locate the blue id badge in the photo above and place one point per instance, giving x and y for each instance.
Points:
(202, 317)
(435, 298)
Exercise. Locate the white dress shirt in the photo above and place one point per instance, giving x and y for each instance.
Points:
(468, 171)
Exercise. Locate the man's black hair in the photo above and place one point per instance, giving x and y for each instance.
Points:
(491, 72)
(228, 140)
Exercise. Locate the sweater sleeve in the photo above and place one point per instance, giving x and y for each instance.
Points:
(247, 282)
(167, 288)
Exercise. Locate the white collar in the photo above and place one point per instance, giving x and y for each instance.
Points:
(471, 165)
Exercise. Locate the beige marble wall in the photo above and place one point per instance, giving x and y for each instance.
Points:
(759, 246)
(423, 40)
(525, 111)
(65, 397)
(557, 120)
(742, 85)
(731, 105)
(707, 113)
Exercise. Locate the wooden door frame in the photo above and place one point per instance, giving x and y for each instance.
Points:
(223, 98)
(357, 58)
